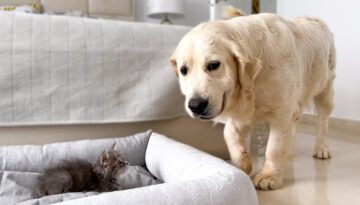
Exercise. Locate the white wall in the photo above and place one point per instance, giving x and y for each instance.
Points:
(268, 6)
(196, 11)
(343, 18)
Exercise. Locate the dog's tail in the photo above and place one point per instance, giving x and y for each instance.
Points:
(231, 12)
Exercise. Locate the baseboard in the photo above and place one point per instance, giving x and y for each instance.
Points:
(334, 123)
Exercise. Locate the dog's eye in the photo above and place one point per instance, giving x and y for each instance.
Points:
(213, 65)
(183, 70)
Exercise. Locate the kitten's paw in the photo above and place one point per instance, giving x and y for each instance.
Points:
(321, 152)
(267, 181)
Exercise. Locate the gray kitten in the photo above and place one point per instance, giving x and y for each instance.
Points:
(80, 175)
(70, 176)
(106, 168)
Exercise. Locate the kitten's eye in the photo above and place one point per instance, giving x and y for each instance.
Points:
(183, 70)
(213, 65)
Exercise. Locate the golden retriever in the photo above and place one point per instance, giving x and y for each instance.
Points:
(259, 69)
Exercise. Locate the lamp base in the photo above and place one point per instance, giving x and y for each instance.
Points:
(166, 20)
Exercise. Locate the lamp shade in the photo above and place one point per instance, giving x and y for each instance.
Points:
(157, 8)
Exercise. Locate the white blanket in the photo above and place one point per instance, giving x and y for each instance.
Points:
(58, 70)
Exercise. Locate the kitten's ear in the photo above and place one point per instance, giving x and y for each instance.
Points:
(113, 147)
(104, 156)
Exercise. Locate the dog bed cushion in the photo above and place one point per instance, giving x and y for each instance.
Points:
(189, 176)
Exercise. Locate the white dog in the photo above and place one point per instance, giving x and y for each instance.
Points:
(255, 69)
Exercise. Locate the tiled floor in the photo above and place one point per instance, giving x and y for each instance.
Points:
(318, 182)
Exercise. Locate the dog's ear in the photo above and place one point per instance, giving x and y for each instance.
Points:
(248, 68)
(174, 64)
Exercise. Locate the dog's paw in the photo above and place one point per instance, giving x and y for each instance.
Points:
(244, 163)
(321, 152)
(267, 181)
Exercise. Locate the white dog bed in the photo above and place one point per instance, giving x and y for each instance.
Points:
(189, 175)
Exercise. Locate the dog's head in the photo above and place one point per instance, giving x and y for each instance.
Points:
(208, 62)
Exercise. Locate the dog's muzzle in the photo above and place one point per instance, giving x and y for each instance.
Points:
(198, 106)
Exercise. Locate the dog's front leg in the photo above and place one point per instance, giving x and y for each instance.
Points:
(277, 156)
(235, 134)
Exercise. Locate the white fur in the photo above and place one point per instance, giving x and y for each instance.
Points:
(270, 70)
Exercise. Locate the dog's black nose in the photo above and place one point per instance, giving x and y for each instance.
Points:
(198, 105)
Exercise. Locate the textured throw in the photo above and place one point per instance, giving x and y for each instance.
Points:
(60, 70)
